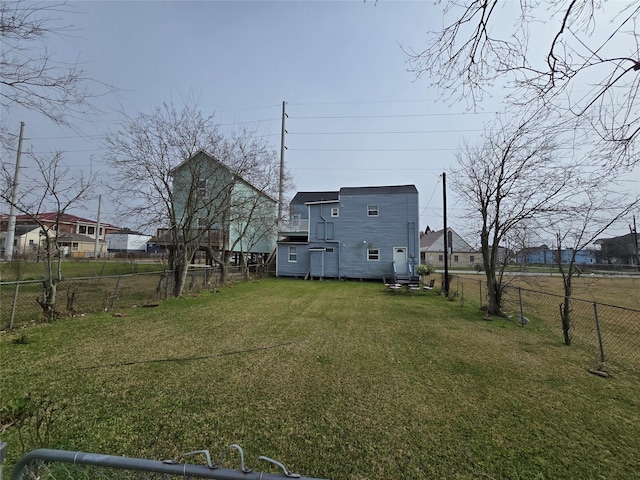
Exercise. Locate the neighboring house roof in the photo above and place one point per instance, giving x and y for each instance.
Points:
(433, 241)
(390, 189)
(617, 241)
(51, 217)
(23, 229)
(201, 152)
(76, 237)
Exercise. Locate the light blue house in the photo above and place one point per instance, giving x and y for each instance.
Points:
(222, 210)
(357, 232)
(543, 255)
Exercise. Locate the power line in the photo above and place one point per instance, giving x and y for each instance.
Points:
(370, 149)
(385, 133)
(406, 115)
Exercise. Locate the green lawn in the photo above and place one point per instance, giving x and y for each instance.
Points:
(78, 268)
(337, 380)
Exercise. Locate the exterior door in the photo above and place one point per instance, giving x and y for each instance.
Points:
(317, 263)
(400, 259)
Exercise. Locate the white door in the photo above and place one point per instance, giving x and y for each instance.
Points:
(400, 259)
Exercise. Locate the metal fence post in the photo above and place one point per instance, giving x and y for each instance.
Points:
(520, 302)
(13, 312)
(595, 312)
(3, 453)
(480, 282)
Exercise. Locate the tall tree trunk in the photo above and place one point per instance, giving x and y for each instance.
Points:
(48, 300)
(180, 271)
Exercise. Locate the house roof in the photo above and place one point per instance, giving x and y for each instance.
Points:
(333, 196)
(621, 240)
(76, 237)
(304, 197)
(382, 190)
(433, 237)
(201, 152)
(23, 229)
(51, 217)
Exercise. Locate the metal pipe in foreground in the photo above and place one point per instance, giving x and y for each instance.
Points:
(141, 464)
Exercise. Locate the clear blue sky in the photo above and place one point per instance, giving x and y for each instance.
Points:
(357, 117)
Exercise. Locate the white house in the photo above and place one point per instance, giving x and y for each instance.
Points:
(127, 242)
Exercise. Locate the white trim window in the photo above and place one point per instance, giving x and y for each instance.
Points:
(293, 253)
(335, 212)
(373, 254)
(372, 210)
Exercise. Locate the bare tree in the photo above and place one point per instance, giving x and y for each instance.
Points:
(593, 208)
(513, 175)
(174, 167)
(52, 188)
(30, 76)
(251, 220)
(579, 59)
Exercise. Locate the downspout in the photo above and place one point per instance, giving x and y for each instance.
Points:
(337, 242)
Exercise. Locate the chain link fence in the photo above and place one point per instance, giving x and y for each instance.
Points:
(610, 333)
(75, 296)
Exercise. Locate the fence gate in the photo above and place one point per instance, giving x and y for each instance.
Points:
(47, 464)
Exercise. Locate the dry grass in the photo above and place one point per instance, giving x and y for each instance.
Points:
(610, 289)
(336, 380)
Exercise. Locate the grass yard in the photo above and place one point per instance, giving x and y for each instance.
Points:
(78, 268)
(338, 380)
(623, 291)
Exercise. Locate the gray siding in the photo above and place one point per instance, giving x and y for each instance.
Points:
(350, 235)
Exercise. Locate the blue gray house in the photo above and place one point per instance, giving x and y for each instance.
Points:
(544, 255)
(356, 232)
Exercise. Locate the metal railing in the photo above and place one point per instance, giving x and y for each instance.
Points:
(48, 464)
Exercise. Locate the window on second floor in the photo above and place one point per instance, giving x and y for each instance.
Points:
(372, 210)
(91, 230)
(335, 212)
(82, 229)
(202, 188)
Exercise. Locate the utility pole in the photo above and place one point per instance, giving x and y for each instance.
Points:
(446, 242)
(95, 248)
(11, 227)
(282, 149)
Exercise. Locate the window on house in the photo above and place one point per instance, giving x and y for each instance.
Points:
(74, 246)
(335, 212)
(440, 258)
(91, 230)
(455, 258)
(293, 254)
(202, 222)
(472, 258)
(202, 188)
(82, 229)
(31, 243)
(373, 254)
(329, 250)
(372, 210)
